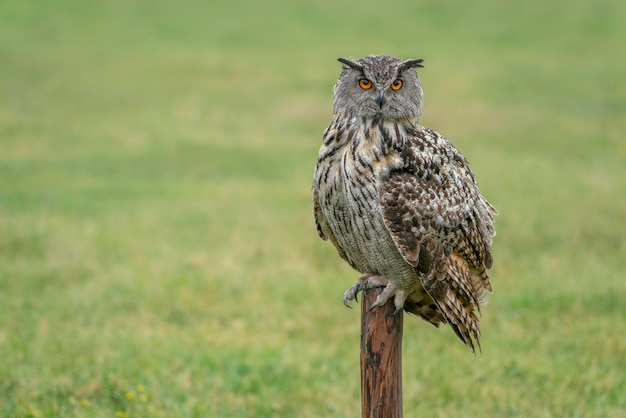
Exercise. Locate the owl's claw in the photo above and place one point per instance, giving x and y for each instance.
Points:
(361, 284)
(399, 296)
(352, 292)
(365, 282)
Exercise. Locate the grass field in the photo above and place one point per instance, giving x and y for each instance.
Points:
(158, 256)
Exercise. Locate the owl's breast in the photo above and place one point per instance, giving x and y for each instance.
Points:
(348, 189)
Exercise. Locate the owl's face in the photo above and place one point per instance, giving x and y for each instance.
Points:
(379, 87)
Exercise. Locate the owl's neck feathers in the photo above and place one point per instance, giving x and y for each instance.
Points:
(360, 135)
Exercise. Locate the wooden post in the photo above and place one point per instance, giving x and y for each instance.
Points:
(381, 359)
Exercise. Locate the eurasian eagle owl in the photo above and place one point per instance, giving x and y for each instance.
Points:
(399, 202)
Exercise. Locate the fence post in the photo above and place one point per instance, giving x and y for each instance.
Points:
(381, 359)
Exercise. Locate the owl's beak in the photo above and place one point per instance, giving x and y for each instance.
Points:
(381, 98)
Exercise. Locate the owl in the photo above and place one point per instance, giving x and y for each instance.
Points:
(399, 202)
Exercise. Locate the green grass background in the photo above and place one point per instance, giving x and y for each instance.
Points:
(158, 256)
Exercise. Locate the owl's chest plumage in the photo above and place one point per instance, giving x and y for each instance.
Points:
(353, 161)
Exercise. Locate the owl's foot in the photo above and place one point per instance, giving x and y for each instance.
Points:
(366, 281)
(399, 297)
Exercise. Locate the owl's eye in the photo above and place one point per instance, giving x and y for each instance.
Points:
(396, 85)
(365, 84)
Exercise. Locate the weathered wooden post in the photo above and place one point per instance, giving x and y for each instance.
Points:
(381, 359)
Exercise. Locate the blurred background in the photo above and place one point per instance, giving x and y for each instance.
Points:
(158, 255)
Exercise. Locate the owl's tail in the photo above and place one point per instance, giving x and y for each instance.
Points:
(451, 288)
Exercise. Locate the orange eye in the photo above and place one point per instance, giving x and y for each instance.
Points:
(396, 85)
(365, 84)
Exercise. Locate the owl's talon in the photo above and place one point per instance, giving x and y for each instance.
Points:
(376, 304)
(361, 285)
(351, 293)
(380, 300)
(399, 296)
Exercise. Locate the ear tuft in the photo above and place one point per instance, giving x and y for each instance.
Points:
(350, 64)
(412, 63)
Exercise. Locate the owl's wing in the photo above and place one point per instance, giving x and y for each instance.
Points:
(441, 225)
(435, 193)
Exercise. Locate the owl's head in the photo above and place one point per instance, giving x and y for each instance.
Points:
(379, 87)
